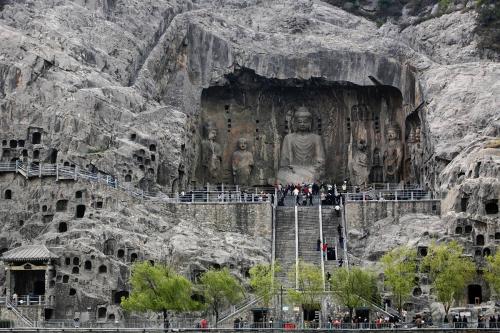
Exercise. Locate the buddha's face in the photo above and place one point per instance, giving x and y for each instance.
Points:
(242, 144)
(212, 134)
(391, 134)
(303, 123)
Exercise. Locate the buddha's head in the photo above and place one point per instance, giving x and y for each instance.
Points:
(242, 143)
(211, 130)
(303, 120)
(393, 132)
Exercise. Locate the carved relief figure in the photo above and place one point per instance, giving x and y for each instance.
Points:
(358, 156)
(377, 172)
(393, 155)
(242, 163)
(211, 155)
(302, 152)
(415, 151)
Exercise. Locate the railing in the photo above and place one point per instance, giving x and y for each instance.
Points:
(389, 195)
(24, 300)
(236, 309)
(26, 322)
(209, 194)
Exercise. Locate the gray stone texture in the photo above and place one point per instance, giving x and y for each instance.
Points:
(117, 86)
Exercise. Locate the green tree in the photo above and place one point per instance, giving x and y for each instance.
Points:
(160, 289)
(449, 271)
(352, 287)
(399, 273)
(310, 288)
(492, 274)
(263, 283)
(220, 289)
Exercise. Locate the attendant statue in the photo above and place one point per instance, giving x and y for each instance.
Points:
(393, 156)
(211, 155)
(242, 163)
(302, 152)
(359, 160)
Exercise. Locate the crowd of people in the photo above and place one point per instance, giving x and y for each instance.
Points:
(305, 193)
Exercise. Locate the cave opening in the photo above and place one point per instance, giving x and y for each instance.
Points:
(480, 240)
(119, 295)
(491, 207)
(354, 125)
(80, 211)
(36, 138)
(474, 293)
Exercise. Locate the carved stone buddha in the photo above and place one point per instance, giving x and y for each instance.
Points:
(302, 152)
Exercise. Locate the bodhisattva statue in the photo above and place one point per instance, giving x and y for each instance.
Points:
(242, 163)
(302, 152)
(359, 160)
(393, 156)
(211, 155)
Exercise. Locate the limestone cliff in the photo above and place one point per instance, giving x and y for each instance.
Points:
(117, 86)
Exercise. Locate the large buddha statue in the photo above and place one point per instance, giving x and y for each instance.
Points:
(302, 152)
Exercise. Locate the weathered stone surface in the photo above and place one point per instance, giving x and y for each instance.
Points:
(117, 86)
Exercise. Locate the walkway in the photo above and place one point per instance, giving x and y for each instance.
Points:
(210, 194)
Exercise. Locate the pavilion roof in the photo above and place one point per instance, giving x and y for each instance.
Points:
(29, 252)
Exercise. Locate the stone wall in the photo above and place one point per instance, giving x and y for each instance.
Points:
(243, 218)
(361, 213)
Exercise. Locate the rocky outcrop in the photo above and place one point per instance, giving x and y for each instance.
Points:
(117, 86)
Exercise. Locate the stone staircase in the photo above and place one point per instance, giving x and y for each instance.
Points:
(285, 242)
(308, 234)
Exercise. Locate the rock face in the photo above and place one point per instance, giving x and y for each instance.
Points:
(122, 87)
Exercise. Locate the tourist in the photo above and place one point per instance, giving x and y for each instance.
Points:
(236, 323)
(204, 323)
(310, 196)
(337, 210)
(318, 245)
(328, 276)
(492, 322)
(325, 249)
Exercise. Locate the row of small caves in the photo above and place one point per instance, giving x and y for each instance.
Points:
(144, 158)
(475, 292)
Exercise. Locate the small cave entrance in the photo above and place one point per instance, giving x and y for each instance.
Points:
(119, 295)
(61, 205)
(101, 313)
(464, 201)
(133, 257)
(13, 144)
(458, 230)
(120, 253)
(486, 252)
(103, 269)
(417, 292)
(8, 195)
(80, 211)
(152, 147)
(422, 251)
(78, 194)
(20, 143)
(491, 207)
(109, 247)
(36, 138)
(53, 156)
(480, 240)
(474, 294)
(36, 154)
(63, 227)
(88, 265)
(468, 229)
(362, 113)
